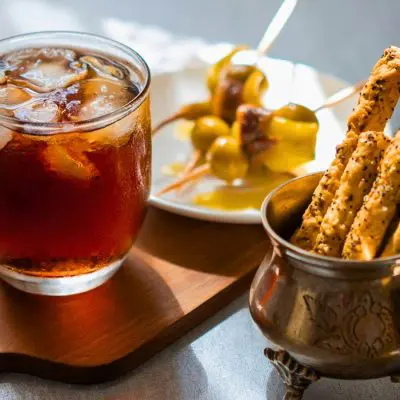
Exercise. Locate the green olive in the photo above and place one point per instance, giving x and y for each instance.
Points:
(227, 160)
(206, 130)
(296, 112)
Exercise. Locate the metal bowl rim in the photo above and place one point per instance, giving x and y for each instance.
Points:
(315, 259)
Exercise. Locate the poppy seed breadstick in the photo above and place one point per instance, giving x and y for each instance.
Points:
(393, 245)
(356, 182)
(380, 94)
(375, 106)
(379, 207)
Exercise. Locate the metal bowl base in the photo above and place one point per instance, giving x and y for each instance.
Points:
(297, 377)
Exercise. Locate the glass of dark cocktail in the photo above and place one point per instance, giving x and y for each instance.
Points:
(75, 159)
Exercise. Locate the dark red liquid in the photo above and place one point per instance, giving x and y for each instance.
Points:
(55, 223)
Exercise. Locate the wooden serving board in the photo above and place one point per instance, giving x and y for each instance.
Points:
(180, 272)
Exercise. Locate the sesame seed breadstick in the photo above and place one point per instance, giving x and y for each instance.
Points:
(370, 224)
(393, 245)
(356, 182)
(375, 106)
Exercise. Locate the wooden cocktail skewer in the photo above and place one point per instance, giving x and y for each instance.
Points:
(192, 176)
(205, 169)
(192, 163)
(251, 57)
(340, 96)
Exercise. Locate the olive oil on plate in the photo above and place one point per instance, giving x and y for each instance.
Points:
(248, 194)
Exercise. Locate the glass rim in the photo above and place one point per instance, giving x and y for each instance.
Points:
(38, 128)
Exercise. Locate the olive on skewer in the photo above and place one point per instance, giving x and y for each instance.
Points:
(238, 85)
(241, 81)
(295, 128)
(263, 137)
(275, 141)
(225, 160)
(298, 112)
(202, 135)
(232, 82)
(205, 130)
(229, 86)
(230, 158)
(294, 122)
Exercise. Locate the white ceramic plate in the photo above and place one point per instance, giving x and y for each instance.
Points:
(288, 83)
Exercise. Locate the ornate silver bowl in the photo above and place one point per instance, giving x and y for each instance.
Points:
(323, 316)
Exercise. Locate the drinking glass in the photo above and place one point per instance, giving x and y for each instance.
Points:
(73, 194)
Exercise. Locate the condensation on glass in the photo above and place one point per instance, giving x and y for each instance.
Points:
(75, 159)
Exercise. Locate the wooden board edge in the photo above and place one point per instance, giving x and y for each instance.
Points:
(19, 363)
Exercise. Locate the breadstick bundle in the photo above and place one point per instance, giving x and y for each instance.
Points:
(353, 211)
